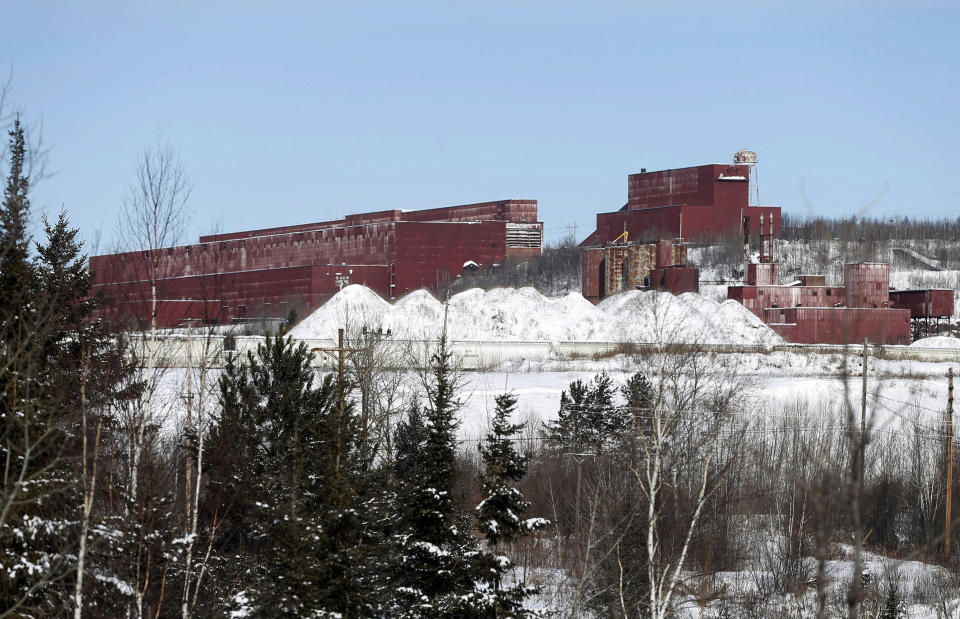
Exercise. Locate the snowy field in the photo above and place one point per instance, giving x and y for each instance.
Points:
(901, 393)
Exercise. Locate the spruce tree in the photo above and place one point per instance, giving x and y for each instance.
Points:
(500, 519)
(285, 464)
(638, 393)
(569, 429)
(432, 569)
(63, 278)
(35, 537)
(410, 438)
(588, 421)
(17, 281)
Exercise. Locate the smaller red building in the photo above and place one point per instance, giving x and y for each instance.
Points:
(930, 310)
(840, 325)
(809, 312)
(931, 303)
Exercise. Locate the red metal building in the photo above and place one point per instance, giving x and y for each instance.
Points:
(840, 325)
(932, 303)
(700, 203)
(931, 310)
(809, 312)
(268, 272)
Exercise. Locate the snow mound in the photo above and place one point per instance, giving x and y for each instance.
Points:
(939, 341)
(524, 314)
(354, 304)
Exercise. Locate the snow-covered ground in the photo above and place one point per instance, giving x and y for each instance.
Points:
(899, 391)
(938, 341)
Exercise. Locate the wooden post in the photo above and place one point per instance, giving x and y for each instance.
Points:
(946, 511)
(863, 414)
(341, 355)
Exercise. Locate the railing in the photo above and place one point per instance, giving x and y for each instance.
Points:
(186, 351)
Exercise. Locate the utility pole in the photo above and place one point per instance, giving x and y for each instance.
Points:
(863, 414)
(946, 511)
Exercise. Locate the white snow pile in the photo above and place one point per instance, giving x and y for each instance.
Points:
(939, 341)
(524, 314)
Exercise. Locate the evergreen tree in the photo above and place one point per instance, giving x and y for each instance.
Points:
(17, 281)
(893, 605)
(500, 518)
(588, 420)
(410, 438)
(433, 569)
(63, 278)
(35, 538)
(639, 396)
(285, 465)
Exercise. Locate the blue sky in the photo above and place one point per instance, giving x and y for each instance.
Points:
(288, 112)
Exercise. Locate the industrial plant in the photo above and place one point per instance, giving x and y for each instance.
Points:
(278, 273)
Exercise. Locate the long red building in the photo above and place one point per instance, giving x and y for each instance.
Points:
(266, 273)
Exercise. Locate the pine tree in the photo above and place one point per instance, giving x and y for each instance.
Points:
(17, 281)
(35, 538)
(500, 519)
(409, 441)
(588, 420)
(893, 605)
(285, 464)
(433, 568)
(63, 278)
(569, 430)
(638, 393)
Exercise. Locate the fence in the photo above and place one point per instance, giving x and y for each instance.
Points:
(179, 351)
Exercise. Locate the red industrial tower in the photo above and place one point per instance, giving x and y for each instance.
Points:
(705, 202)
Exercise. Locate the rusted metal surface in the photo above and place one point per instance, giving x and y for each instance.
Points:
(867, 284)
(758, 298)
(592, 273)
(616, 269)
(699, 203)
(932, 303)
(812, 280)
(813, 313)
(840, 325)
(266, 272)
(764, 274)
(679, 255)
(676, 279)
